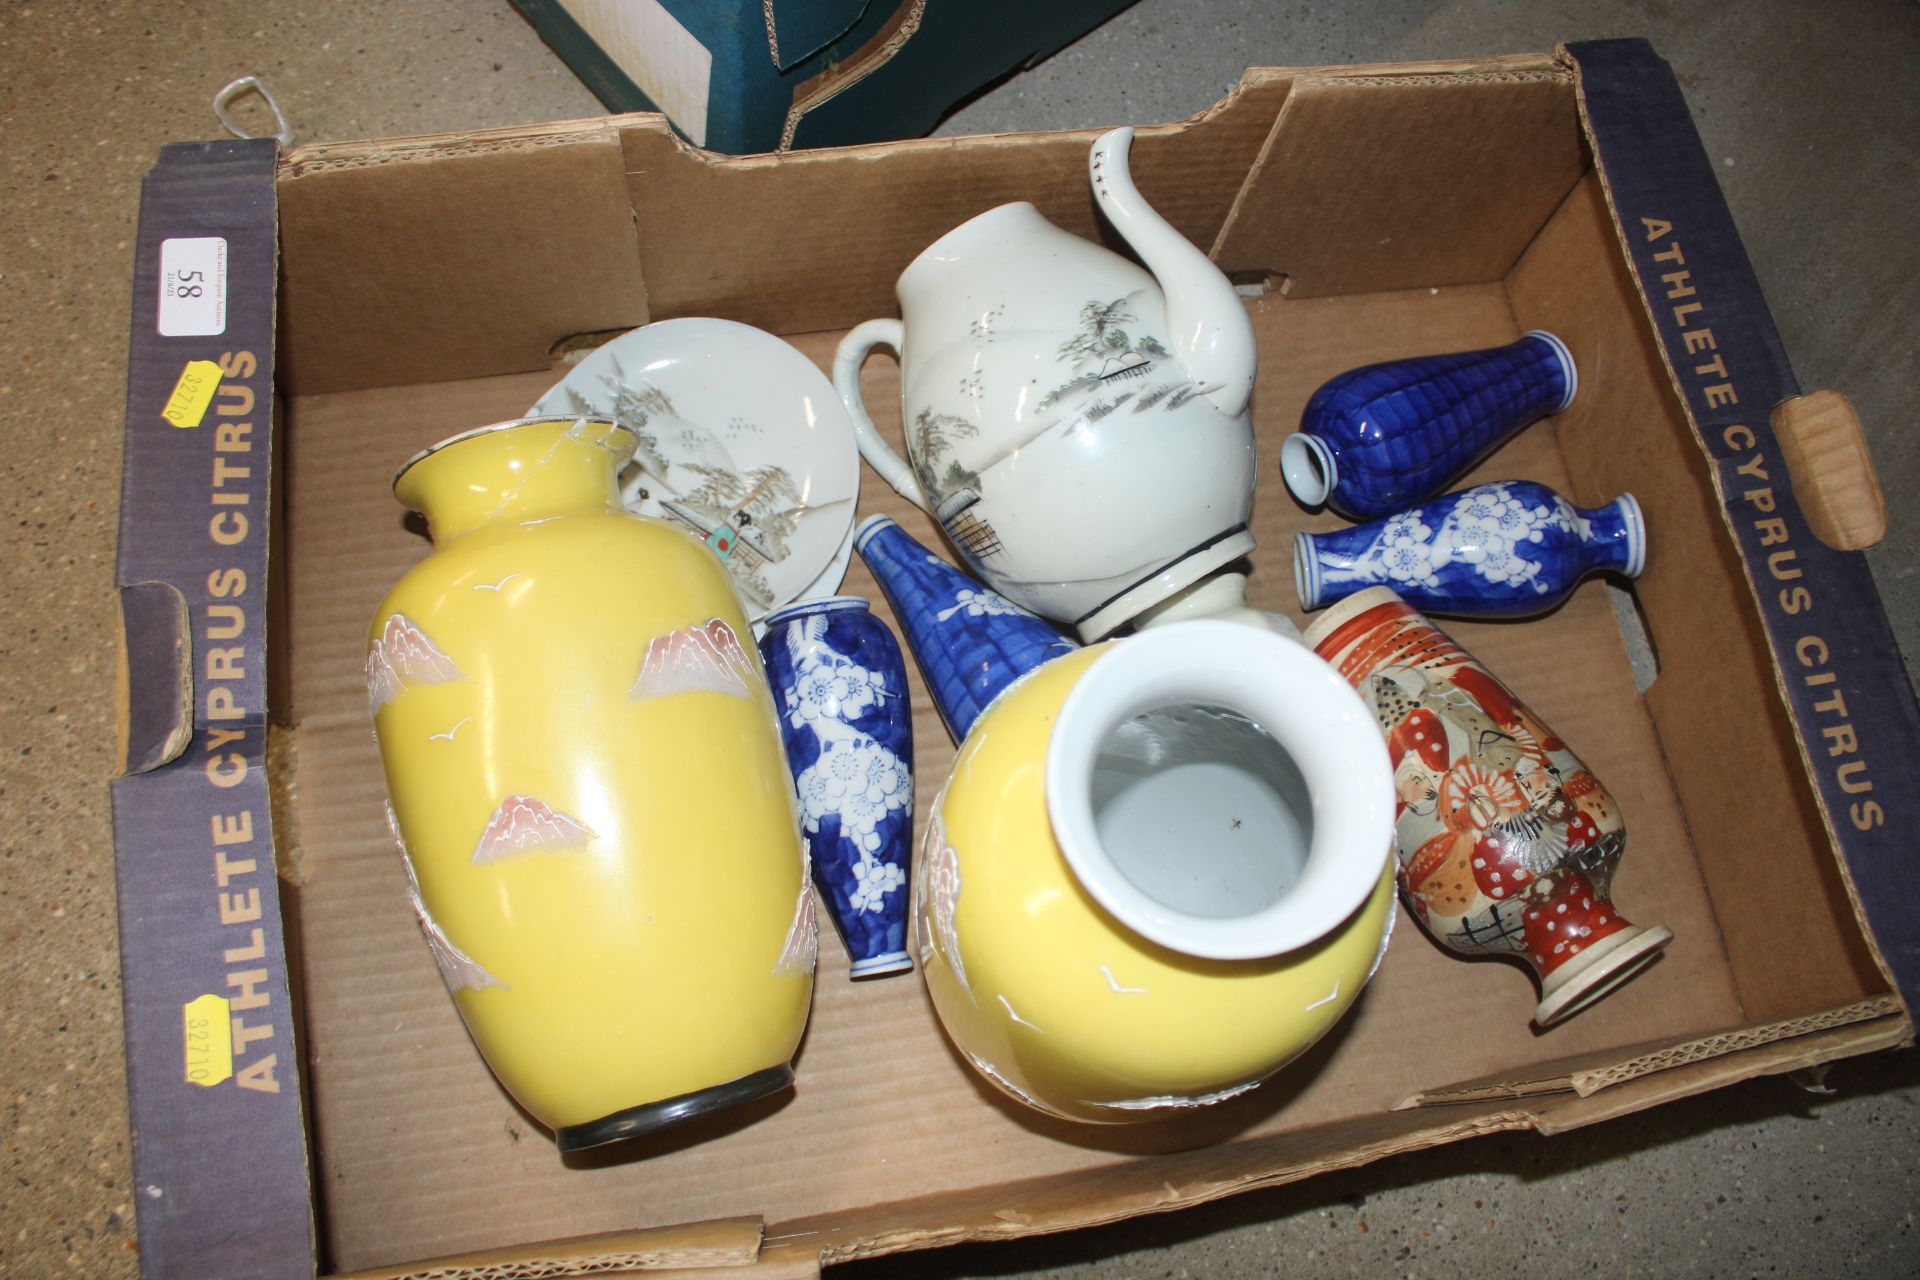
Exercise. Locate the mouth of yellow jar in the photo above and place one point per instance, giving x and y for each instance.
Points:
(1220, 791)
(606, 428)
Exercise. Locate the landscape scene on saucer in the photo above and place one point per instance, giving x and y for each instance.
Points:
(746, 514)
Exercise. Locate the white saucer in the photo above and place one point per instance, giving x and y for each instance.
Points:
(744, 441)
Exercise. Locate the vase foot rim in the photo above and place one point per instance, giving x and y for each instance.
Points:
(881, 966)
(1306, 573)
(1175, 575)
(1605, 970)
(653, 1116)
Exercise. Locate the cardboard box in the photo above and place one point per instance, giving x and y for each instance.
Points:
(333, 1108)
(741, 77)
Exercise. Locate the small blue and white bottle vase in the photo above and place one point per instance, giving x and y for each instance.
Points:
(971, 644)
(841, 685)
(1502, 550)
(1377, 439)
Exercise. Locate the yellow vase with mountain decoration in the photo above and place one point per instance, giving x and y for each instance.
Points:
(588, 789)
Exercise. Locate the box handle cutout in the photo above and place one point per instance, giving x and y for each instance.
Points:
(156, 676)
(1832, 471)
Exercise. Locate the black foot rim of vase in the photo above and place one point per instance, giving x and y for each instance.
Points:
(654, 1116)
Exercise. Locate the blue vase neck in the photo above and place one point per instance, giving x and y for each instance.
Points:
(1614, 536)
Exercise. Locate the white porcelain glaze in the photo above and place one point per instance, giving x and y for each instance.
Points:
(1077, 426)
(1221, 596)
(1220, 790)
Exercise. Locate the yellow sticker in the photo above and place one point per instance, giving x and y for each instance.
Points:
(187, 406)
(207, 1022)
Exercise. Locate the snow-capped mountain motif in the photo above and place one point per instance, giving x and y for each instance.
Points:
(707, 657)
(993, 1073)
(940, 896)
(1170, 1100)
(802, 947)
(523, 824)
(393, 829)
(401, 658)
(460, 971)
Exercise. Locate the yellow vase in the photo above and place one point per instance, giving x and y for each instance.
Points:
(589, 790)
(1158, 872)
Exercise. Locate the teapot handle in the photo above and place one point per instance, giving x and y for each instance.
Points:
(847, 360)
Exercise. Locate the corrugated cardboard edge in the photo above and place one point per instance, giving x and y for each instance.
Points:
(321, 157)
(1571, 1111)
(836, 80)
(1861, 657)
(698, 1248)
(1587, 1081)
(1054, 1207)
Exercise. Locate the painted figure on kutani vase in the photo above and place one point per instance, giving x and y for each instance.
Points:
(1508, 843)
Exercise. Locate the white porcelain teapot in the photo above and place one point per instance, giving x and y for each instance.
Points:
(1078, 426)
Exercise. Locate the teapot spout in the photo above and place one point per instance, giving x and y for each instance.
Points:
(1211, 334)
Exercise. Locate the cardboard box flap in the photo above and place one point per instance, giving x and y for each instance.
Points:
(1019, 1207)
(453, 257)
(1589, 1073)
(1560, 1113)
(1374, 182)
(798, 29)
(1832, 654)
(219, 1147)
(1781, 911)
(805, 241)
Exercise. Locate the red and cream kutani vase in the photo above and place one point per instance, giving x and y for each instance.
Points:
(1507, 843)
(589, 789)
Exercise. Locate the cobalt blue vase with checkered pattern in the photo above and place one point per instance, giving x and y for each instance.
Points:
(971, 644)
(1377, 439)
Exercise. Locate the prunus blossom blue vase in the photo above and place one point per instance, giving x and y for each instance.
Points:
(1378, 439)
(841, 685)
(971, 643)
(1501, 550)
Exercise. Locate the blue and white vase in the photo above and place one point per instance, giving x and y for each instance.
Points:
(971, 643)
(841, 684)
(1501, 550)
(1378, 439)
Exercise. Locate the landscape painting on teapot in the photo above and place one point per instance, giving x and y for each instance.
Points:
(1078, 425)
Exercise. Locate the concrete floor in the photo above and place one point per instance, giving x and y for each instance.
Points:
(1811, 112)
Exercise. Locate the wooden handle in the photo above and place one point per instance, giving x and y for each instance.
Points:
(1832, 471)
